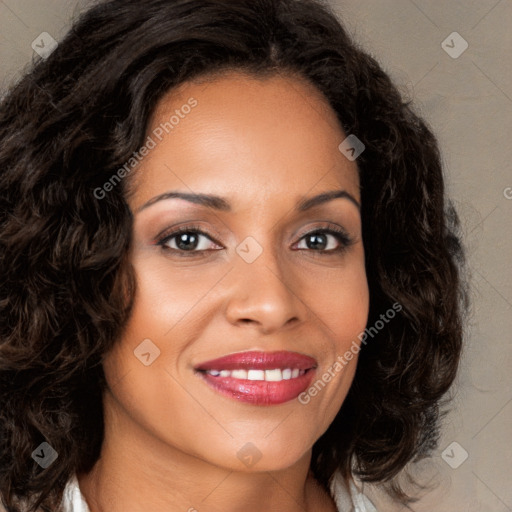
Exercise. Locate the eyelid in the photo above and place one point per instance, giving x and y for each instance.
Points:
(344, 239)
(342, 235)
(326, 226)
(330, 228)
(170, 233)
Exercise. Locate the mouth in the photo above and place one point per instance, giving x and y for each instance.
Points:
(259, 378)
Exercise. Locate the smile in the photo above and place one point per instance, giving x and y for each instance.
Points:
(259, 378)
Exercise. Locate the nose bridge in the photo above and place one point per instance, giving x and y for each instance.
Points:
(262, 292)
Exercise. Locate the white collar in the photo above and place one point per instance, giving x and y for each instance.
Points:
(72, 500)
(349, 499)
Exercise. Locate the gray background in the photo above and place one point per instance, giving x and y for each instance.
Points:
(468, 102)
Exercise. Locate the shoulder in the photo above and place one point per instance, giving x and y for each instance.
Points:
(349, 497)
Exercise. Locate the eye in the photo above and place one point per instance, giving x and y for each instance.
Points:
(189, 239)
(326, 240)
(193, 241)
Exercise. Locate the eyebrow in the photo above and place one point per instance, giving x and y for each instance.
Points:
(219, 203)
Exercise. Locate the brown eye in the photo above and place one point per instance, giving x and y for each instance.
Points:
(326, 240)
(187, 240)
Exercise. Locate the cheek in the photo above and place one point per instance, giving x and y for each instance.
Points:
(341, 301)
(164, 318)
(342, 305)
(160, 323)
(349, 321)
(166, 300)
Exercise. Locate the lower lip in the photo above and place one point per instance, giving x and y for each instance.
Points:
(260, 392)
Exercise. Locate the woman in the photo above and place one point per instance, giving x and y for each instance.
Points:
(227, 264)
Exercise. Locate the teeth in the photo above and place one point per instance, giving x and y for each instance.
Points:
(275, 375)
(256, 375)
(239, 374)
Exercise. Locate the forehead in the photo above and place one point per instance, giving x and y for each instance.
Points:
(244, 132)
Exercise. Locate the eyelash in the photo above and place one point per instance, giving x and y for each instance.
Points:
(340, 234)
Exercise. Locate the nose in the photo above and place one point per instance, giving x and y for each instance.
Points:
(262, 294)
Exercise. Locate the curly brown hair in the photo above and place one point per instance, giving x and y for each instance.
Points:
(67, 286)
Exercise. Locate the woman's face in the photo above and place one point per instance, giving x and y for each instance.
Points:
(262, 278)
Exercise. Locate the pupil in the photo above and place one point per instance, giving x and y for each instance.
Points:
(316, 242)
(184, 241)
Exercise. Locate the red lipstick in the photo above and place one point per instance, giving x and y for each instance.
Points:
(260, 378)
(260, 361)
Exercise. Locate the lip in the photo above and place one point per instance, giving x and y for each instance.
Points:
(259, 392)
(259, 361)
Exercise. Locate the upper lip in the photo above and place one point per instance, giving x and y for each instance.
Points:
(259, 361)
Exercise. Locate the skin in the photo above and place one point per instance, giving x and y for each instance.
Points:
(171, 442)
